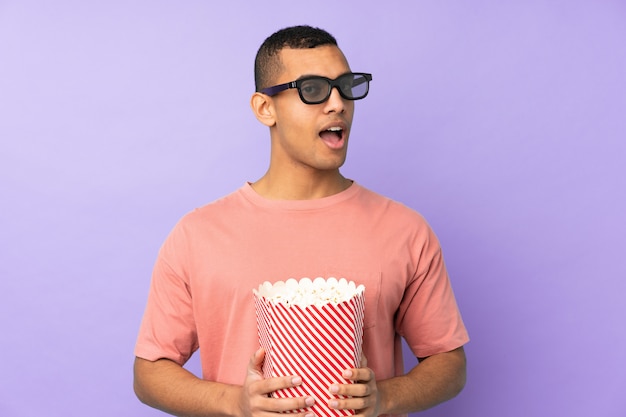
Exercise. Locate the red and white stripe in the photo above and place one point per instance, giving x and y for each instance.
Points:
(316, 343)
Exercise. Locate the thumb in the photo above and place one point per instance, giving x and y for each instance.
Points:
(256, 363)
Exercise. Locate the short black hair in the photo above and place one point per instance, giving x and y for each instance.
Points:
(267, 64)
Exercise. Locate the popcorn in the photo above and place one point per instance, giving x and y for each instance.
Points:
(306, 292)
(313, 329)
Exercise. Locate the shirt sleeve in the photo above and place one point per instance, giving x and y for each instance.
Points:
(168, 327)
(429, 318)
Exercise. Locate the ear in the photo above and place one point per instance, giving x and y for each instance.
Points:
(263, 108)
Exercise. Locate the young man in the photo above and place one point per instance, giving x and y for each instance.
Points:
(301, 219)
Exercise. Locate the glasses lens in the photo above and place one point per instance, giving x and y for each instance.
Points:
(314, 89)
(354, 86)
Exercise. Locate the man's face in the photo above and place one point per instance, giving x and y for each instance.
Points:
(311, 136)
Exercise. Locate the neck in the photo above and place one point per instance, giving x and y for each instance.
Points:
(284, 187)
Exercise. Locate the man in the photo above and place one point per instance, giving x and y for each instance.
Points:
(301, 219)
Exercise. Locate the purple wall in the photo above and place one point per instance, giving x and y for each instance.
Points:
(504, 124)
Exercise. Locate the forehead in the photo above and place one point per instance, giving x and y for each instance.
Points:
(327, 61)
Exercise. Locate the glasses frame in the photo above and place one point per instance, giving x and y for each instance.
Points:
(272, 91)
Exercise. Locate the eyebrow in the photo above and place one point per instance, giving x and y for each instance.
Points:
(307, 76)
(317, 75)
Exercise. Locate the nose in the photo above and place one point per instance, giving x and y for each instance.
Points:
(335, 102)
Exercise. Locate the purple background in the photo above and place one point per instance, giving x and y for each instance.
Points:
(504, 124)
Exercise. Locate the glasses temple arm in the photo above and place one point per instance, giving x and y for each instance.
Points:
(270, 91)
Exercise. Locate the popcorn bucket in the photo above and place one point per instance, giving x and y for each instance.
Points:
(313, 329)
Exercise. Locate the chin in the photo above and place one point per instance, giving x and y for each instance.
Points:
(331, 165)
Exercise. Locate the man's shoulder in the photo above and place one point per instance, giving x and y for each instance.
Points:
(389, 204)
(222, 206)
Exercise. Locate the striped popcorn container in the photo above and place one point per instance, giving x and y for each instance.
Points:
(314, 329)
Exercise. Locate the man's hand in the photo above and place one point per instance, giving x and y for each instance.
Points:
(255, 400)
(363, 394)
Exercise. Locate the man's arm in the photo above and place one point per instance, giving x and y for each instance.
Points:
(434, 380)
(167, 386)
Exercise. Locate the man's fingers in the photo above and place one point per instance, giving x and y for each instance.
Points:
(359, 374)
(255, 370)
(256, 361)
(297, 407)
(360, 395)
(356, 403)
(256, 398)
(351, 390)
(288, 404)
(270, 385)
(257, 385)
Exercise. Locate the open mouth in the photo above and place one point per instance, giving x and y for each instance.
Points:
(333, 137)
